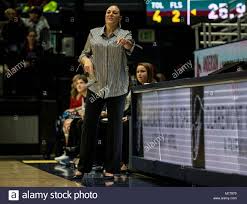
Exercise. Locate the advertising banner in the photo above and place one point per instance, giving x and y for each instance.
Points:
(214, 58)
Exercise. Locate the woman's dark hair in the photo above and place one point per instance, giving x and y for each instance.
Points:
(31, 30)
(119, 24)
(27, 33)
(116, 6)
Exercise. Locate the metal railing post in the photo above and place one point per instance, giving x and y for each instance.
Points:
(209, 35)
(197, 37)
(239, 28)
(204, 35)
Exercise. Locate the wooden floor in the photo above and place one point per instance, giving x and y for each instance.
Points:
(18, 174)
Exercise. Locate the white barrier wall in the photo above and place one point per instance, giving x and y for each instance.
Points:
(225, 128)
(166, 125)
(212, 136)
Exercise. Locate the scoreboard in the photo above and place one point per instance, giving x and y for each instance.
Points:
(193, 11)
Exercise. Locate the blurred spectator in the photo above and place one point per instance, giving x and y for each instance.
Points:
(32, 50)
(39, 23)
(160, 77)
(31, 54)
(4, 4)
(13, 32)
(45, 5)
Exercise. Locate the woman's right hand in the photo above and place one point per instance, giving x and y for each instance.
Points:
(103, 114)
(88, 65)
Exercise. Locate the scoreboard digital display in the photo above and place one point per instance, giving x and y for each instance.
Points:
(193, 11)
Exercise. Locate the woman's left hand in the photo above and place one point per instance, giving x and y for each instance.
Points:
(125, 43)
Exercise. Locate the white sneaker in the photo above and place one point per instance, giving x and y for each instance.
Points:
(62, 157)
(64, 171)
(65, 162)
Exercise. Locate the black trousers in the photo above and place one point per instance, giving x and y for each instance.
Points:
(94, 106)
(74, 141)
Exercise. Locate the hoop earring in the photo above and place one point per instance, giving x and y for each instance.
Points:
(119, 24)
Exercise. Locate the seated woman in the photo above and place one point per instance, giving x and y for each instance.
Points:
(145, 73)
(78, 95)
(75, 111)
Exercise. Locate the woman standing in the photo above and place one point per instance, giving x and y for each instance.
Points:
(104, 56)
